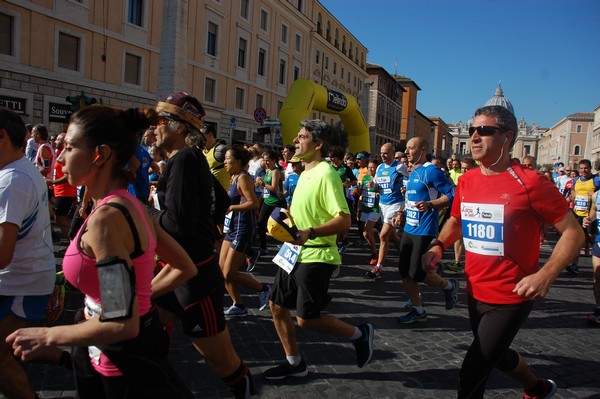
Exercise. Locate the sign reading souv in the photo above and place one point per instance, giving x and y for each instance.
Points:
(336, 101)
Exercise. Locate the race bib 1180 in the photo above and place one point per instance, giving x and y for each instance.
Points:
(483, 228)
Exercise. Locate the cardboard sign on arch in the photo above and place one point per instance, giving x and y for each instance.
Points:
(306, 96)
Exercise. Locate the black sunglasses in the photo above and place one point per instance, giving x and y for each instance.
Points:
(484, 130)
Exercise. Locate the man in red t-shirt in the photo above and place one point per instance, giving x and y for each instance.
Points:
(499, 210)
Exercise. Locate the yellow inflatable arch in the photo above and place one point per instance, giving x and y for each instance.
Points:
(306, 96)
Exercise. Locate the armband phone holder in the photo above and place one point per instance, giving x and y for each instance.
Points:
(117, 288)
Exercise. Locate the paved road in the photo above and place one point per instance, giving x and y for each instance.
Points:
(410, 361)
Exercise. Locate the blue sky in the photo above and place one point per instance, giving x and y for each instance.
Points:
(545, 52)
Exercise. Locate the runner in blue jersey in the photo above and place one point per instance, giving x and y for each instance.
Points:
(428, 190)
(388, 179)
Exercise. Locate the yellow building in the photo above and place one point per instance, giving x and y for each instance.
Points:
(236, 57)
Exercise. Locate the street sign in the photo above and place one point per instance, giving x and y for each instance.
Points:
(232, 122)
(260, 114)
(271, 122)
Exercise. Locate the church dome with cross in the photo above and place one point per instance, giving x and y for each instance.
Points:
(500, 100)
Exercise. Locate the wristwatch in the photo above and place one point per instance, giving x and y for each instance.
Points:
(435, 242)
(429, 204)
(311, 234)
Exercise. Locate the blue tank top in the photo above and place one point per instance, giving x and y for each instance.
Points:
(239, 220)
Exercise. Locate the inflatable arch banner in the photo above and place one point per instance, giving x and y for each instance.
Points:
(306, 96)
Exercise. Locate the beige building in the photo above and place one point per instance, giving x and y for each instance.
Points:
(566, 140)
(592, 148)
(461, 145)
(527, 139)
(239, 58)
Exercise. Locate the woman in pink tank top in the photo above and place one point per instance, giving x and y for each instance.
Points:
(121, 340)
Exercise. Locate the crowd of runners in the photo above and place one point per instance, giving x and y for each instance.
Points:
(164, 219)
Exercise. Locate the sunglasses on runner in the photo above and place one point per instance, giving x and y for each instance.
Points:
(484, 130)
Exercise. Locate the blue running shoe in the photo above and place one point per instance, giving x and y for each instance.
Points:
(236, 311)
(413, 316)
(263, 297)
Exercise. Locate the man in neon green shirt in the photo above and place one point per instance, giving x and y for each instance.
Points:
(455, 172)
(320, 211)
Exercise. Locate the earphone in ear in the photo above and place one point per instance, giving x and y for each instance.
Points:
(505, 139)
(96, 159)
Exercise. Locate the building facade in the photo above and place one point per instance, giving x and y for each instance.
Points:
(441, 145)
(592, 147)
(235, 56)
(566, 141)
(385, 108)
(409, 109)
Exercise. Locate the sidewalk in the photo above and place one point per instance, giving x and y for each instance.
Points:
(418, 360)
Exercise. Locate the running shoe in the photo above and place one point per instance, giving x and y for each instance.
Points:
(451, 294)
(549, 390)
(375, 274)
(364, 345)
(373, 259)
(344, 246)
(594, 318)
(456, 267)
(573, 268)
(285, 369)
(413, 316)
(263, 297)
(251, 263)
(236, 311)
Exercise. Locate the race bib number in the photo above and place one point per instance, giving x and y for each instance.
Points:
(581, 203)
(384, 184)
(483, 228)
(266, 193)
(287, 256)
(369, 199)
(227, 222)
(412, 214)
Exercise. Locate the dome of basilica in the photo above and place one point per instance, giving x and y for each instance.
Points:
(500, 100)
